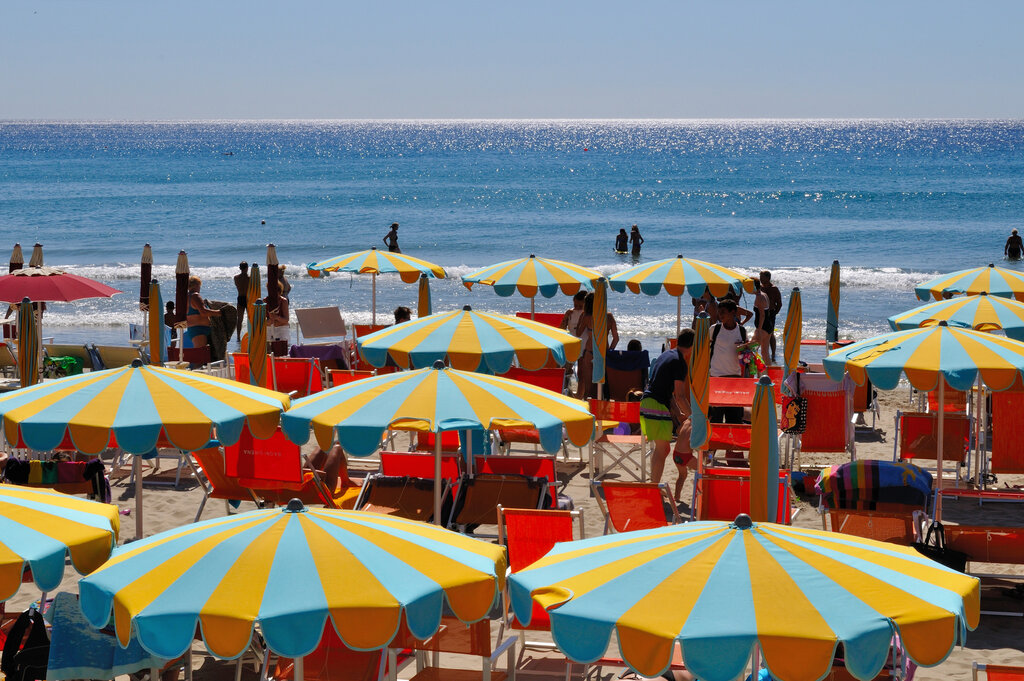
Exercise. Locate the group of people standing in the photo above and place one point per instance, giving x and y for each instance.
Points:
(623, 241)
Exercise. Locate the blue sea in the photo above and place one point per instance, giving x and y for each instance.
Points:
(895, 201)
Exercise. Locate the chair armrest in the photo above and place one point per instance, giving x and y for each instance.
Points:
(502, 647)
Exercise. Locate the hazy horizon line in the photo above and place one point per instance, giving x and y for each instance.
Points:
(739, 119)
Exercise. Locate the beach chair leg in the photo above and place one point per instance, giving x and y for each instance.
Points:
(202, 505)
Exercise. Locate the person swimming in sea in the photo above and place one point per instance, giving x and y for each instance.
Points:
(1014, 247)
(622, 241)
(636, 240)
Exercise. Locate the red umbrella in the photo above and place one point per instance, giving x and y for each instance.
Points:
(48, 285)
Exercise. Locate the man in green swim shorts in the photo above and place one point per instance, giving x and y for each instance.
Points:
(667, 394)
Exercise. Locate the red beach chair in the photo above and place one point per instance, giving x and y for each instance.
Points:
(631, 506)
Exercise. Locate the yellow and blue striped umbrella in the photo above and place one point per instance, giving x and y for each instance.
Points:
(981, 313)
(434, 400)
(599, 335)
(679, 276)
(423, 306)
(995, 281)
(28, 344)
(133, 404)
(832, 320)
(377, 262)
(533, 275)
(470, 341)
(255, 290)
(289, 570)
(700, 372)
(719, 589)
(258, 344)
(38, 527)
(764, 453)
(793, 332)
(157, 329)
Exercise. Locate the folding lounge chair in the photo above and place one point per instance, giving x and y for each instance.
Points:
(332, 660)
(317, 323)
(625, 371)
(450, 442)
(240, 360)
(628, 506)
(550, 318)
(296, 376)
(273, 470)
(8, 360)
(736, 393)
(722, 493)
(529, 534)
(996, 672)
(542, 467)
(217, 484)
(461, 639)
(916, 438)
(954, 400)
(628, 453)
(897, 528)
(358, 331)
(549, 379)
(829, 417)
(338, 377)
(114, 356)
(402, 496)
(478, 498)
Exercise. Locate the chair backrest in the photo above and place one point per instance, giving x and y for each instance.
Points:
(332, 660)
(530, 533)
(723, 493)
(223, 487)
(198, 356)
(634, 505)
(997, 672)
(255, 463)
(918, 436)
(731, 392)
(531, 466)
(609, 410)
(621, 383)
(361, 330)
(300, 375)
(402, 496)
(862, 396)
(479, 496)
(954, 400)
(730, 436)
(828, 422)
(449, 441)
(1007, 444)
(417, 465)
(777, 375)
(454, 636)
(115, 356)
(549, 379)
(550, 318)
(241, 362)
(7, 356)
(896, 528)
(342, 376)
(320, 322)
(60, 350)
(986, 544)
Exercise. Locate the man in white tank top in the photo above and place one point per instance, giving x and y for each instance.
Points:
(725, 361)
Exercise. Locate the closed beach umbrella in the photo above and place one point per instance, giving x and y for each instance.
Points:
(681, 276)
(137, 408)
(423, 306)
(470, 341)
(926, 356)
(700, 372)
(273, 277)
(374, 262)
(37, 256)
(28, 344)
(599, 337)
(793, 332)
(258, 344)
(533, 275)
(181, 274)
(255, 290)
(145, 276)
(434, 400)
(995, 281)
(17, 259)
(40, 527)
(288, 571)
(50, 285)
(157, 329)
(721, 590)
(982, 312)
(832, 321)
(764, 454)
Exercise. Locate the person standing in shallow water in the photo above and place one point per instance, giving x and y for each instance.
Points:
(1014, 247)
(636, 240)
(621, 241)
(391, 239)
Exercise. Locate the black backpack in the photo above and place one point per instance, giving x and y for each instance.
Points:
(26, 662)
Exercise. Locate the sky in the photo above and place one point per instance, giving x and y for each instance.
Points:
(138, 59)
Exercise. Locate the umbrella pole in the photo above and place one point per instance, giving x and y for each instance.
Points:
(531, 309)
(137, 465)
(679, 314)
(373, 304)
(298, 669)
(978, 481)
(437, 479)
(939, 452)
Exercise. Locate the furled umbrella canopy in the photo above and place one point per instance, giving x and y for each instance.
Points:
(258, 344)
(37, 256)
(181, 274)
(29, 351)
(157, 329)
(17, 259)
(700, 373)
(423, 306)
(599, 335)
(145, 276)
(832, 319)
(764, 453)
(793, 332)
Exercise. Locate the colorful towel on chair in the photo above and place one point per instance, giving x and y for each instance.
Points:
(861, 485)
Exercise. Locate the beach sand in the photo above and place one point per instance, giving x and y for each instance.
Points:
(998, 639)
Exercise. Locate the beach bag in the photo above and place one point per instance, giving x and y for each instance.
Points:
(938, 551)
(24, 658)
(794, 414)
